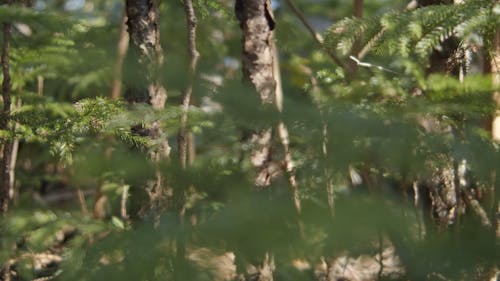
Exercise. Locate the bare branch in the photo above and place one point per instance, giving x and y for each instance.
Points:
(317, 37)
(369, 65)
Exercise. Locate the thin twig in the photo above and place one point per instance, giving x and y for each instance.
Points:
(184, 137)
(39, 80)
(416, 200)
(477, 208)
(82, 201)
(278, 93)
(328, 178)
(289, 165)
(13, 156)
(283, 131)
(317, 37)
(369, 65)
(380, 256)
(123, 41)
(123, 203)
(195, 55)
(370, 43)
(304, 21)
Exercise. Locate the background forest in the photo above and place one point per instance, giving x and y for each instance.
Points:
(250, 140)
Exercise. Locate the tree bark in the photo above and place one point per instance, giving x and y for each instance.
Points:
(257, 23)
(185, 138)
(144, 32)
(5, 124)
(123, 42)
(143, 28)
(357, 8)
(495, 71)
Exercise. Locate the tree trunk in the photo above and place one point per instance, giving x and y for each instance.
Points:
(357, 11)
(123, 42)
(185, 139)
(5, 124)
(143, 28)
(257, 23)
(495, 71)
(357, 8)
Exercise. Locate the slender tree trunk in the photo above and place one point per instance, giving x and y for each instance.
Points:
(5, 123)
(184, 136)
(358, 8)
(123, 42)
(13, 156)
(39, 80)
(495, 71)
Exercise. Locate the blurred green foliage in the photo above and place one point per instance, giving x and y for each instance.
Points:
(75, 140)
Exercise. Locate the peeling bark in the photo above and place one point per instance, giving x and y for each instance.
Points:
(144, 33)
(257, 23)
(259, 68)
(143, 28)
